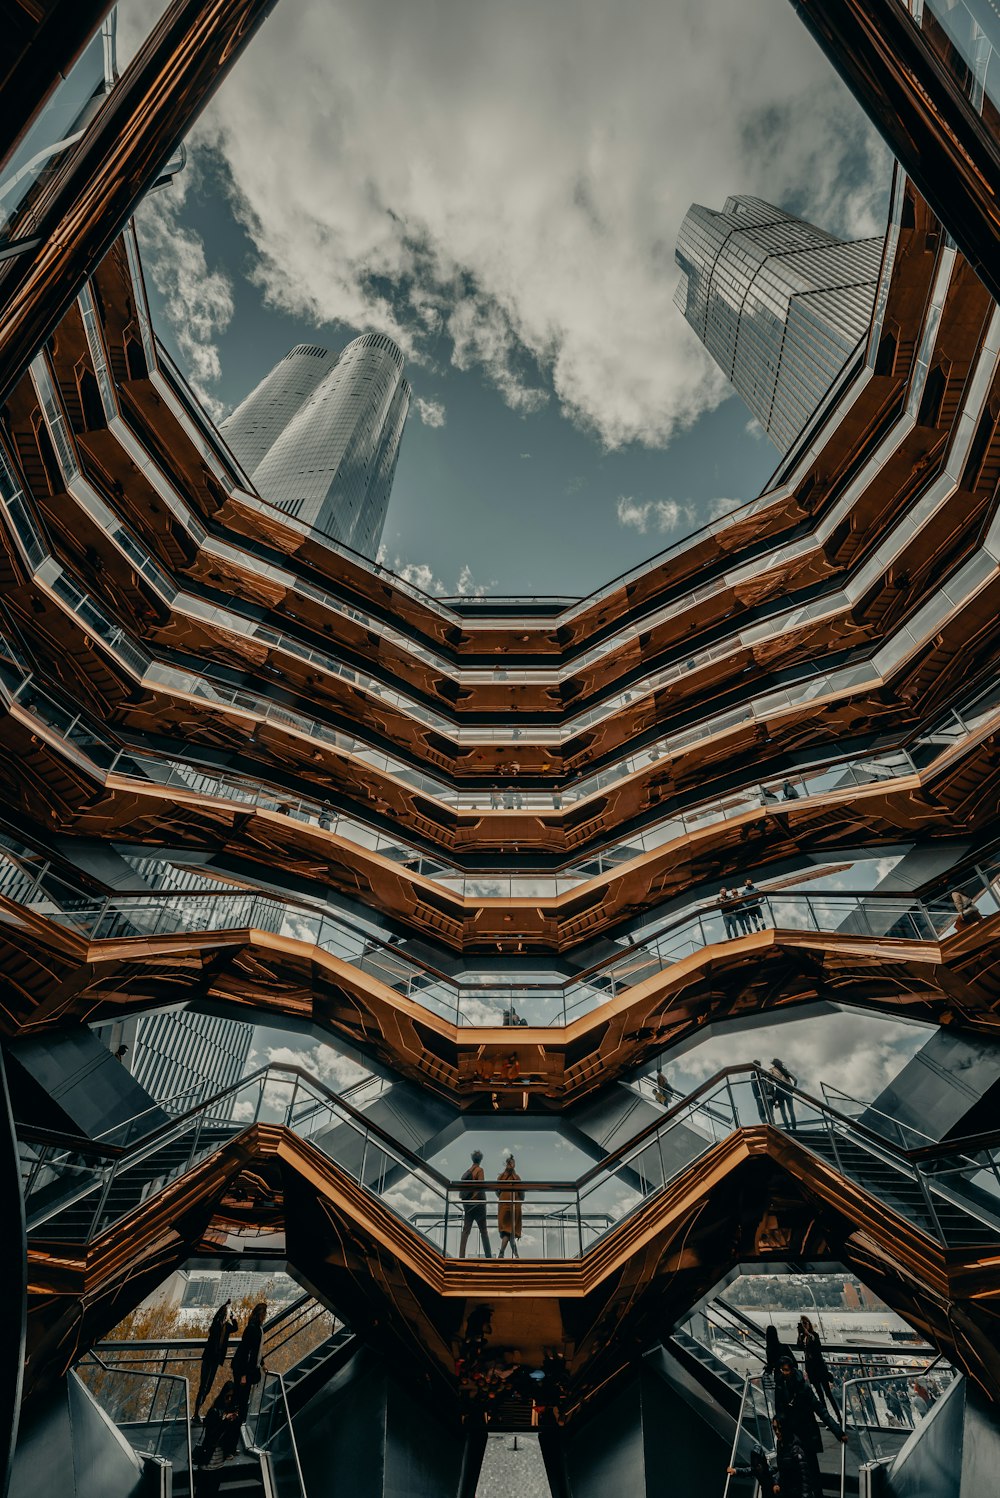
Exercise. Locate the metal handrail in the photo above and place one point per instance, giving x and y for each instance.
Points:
(171, 1378)
(736, 1436)
(290, 1427)
(406, 1156)
(851, 1383)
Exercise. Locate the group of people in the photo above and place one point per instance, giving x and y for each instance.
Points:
(473, 1198)
(741, 909)
(799, 1404)
(770, 1088)
(228, 1412)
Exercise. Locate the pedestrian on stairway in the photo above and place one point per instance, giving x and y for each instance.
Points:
(967, 913)
(248, 1359)
(218, 1444)
(817, 1371)
(774, 1350)
(509, 1212)
(214, 1354)
(781, 1091)
(798, 1409)
(473, 1199)
(763, 1091)
(787, 1475)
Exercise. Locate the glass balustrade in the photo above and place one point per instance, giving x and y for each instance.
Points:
(822, 780)
(140, 663)
(150, 1409)
(477, 999)
(75, 1192)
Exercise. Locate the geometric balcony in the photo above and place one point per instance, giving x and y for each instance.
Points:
(634, 1242)
(479, 844)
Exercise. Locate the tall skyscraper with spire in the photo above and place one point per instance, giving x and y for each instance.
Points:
(778, 303)
(320, 436)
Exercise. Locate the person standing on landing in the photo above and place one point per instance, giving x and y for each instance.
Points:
(473, 1199)
(248, 1359)
(509, 1212)
(216, 1347)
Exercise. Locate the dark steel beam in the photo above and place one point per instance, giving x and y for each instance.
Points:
(41, 44)
(921, 112)
(89, 201)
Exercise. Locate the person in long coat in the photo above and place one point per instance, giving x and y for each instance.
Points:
(214, 1355)
(248, 1362)
(817, 1371)
(509, 1211)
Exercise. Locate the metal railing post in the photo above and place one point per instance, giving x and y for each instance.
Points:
(843, 1425)
(929, 1204)
(736, 1436)
(95, 1220)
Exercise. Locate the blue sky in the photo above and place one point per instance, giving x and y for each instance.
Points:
(504, 198)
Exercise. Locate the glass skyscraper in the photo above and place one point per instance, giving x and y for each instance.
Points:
(777, 302)
(320, 437)
(259, 421)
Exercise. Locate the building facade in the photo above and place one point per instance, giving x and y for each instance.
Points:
(320, 437)
(778, 303)
(259, 420)
(179, 1055)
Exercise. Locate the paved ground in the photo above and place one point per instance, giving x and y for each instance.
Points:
(512, 1473)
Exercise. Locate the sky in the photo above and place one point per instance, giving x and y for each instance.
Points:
(500, 188)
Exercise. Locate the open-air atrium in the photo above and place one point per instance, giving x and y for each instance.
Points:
(494, 852)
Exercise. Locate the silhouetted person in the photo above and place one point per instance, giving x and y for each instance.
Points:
(762, 1091)
(788, 791)
(219, 1441)
(248, 1364)
(784, 1099)
(473, 1199)
(798, 1409)
(817, 1371)
(122, 1051)
(774, 1350)
(214, 1354)
(509, 1212)
(787, 1476)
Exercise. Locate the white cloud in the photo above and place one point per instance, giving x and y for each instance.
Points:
(198, 301)
(322, 1061)
(754, 429)
(432, 413)
(853, 1051)
(467, 587)
(716, 508)
(656, 514)
(527, 220)
(421, 575)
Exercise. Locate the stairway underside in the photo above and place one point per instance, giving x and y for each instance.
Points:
(757, 1196)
